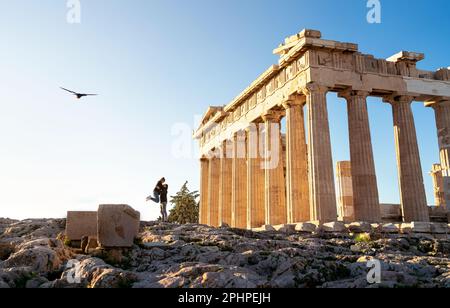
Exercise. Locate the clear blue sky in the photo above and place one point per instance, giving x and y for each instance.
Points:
(158, 63)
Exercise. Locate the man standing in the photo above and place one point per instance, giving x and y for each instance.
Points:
(163, 195)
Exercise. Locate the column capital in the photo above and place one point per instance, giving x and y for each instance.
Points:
(398, 99)
(313, 88)
(253, 126)
(272, 116)
(214, 153)
(437, 102)
(240, 132)
(294, 100)
(349, 93)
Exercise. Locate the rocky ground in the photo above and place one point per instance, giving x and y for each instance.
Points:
(33, 255)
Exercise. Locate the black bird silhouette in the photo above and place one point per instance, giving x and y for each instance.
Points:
(78, 95)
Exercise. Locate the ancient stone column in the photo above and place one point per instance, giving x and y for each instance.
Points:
(320, 163)
(441, 108)
(297, 186)
(412, 189)
(365, 191)
(204, 191)
(225, 183)
(442, 113)
(345, 191)
(275, 190)
(213, 187)
(239, 182)
(438, 185)
(255, 179)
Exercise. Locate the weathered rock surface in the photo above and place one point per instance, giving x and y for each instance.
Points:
(118, 225)
(174, 256)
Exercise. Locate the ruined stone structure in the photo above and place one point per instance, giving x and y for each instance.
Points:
(346, 208)
(260, 191)
(441, 187)
(112, 226)
(81, 224)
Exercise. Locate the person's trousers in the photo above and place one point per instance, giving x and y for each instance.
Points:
(155, 197)
(164, 211)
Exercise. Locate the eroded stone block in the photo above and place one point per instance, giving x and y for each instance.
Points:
(81, 224)
(92, 242)
(421, 227)
(439, 228)
(118, 225)
(406, 228)
(359, 227)
(306, 227)
(267, 228)
(336, 226)
(390, 228)
(285, 228)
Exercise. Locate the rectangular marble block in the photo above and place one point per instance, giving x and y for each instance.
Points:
(118, 225)
(81, 224)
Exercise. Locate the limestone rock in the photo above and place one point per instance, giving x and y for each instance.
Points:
(306, 227)
(286, 228)
(112, 278)
(336, 226)
(439, 228)
(265, 228)
(390, 228)
(406, 228)
(359, 227)
(421, 227)
(191, 256)
(40, 259)
(33, 228)
(35, 283)
(6, 250)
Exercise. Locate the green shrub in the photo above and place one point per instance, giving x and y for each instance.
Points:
(363, 238)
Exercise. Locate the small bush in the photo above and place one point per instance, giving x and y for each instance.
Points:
(363, 238)
(67, 242)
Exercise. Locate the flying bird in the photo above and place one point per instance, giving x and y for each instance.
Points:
(78, 95)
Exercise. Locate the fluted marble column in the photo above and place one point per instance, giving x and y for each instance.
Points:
(204, 192)
(297, 186)
(442, 115)
(439, 187)
(225, 183)
(364, 181)
(320, 163)
(213, 187)
(275, 190)
(412, 189)
(255, 179)
(239, 182)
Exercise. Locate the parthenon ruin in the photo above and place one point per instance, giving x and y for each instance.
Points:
(253, 175)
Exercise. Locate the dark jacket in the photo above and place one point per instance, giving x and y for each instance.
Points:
(159, 187)
(163, 194)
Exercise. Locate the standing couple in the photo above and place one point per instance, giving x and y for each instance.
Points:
(160, 196)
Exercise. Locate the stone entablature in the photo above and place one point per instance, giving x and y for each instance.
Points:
(333, 64)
